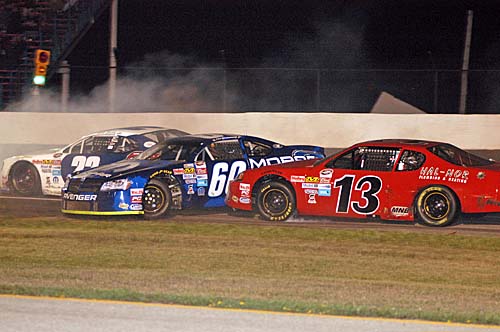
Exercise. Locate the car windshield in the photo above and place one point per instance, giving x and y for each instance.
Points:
(458, 156)
(169, 151)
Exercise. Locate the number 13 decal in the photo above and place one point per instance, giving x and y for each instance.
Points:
(368, 193)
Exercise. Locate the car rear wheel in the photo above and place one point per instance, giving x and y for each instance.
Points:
(275, 201)
(25, 180)
(436, 206)
(156, 199)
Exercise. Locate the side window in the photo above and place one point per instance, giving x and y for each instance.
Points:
(225, 150)
(75, 148)
(375, 158)
(88, 145)
(343, 162)
(410, 161)
(256, 149)
(367, 158)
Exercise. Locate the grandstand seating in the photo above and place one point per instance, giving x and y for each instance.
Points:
(27, 25)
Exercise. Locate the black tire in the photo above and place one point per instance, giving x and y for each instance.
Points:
(275, 201)
(25, 180)
(436, 206)
(156, 199)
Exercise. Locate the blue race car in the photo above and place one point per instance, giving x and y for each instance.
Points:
(45, 172)
(191, 171)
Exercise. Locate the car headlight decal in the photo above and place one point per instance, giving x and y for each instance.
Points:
(119, 184)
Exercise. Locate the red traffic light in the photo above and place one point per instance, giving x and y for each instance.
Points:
(42, 57)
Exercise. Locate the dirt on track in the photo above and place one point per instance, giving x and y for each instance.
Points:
(21, 207)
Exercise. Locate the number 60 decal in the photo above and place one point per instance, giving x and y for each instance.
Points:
(369, 193)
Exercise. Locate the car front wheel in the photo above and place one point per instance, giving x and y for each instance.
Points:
(275, 201)
(156, 199)
(436, 206)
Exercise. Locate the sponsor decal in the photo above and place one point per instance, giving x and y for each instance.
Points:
(449, 175)
(136, 191)
(312, 179)
(46, 162)
(55, 180)
(310, 185)
(190, 190)
(201, 182)
(202, 176)
(256, 163)
(312, 199)
(245, 186)
(149, 144)
(201, 191)
(189, 171)
(326, 173)
(298, 178)
(76, 197)
(189, 176)
(123, 206)
(135, 207)
(201, 168)
(235, 199)
(245, 190)
(56, 172)
(324, 192)
(190, 181)
(161, 172)
(245, 200)
(400, 211)
(178, 171)
(136, 199)
(311, 191)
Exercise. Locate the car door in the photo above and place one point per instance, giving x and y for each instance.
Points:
(351, 185)
(216, 165)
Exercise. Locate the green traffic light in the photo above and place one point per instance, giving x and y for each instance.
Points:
(39, 80)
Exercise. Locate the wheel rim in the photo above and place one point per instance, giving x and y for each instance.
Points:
(154, 199)
(24, 179)
(436, 206)
(275, 201)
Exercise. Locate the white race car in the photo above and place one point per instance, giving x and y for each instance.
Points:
(45, 173)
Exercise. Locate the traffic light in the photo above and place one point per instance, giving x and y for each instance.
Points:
(42, 60)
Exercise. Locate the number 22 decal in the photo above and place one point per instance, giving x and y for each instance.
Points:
(80, 162)
(369, 194)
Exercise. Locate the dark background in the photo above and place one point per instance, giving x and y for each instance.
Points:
(344, 38)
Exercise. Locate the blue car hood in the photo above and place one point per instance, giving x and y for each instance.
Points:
(126, 167)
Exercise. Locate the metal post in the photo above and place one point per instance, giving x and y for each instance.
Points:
(318, 90)
(64, 70)
(465, 65)
(436, 91)
(112, 50)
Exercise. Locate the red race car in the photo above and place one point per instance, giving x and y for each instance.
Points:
(389, 179)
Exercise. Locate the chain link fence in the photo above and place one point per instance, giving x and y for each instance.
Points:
(160, 89)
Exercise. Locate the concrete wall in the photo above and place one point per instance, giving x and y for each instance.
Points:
(27, 132)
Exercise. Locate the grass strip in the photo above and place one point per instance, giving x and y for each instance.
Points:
(439, 277)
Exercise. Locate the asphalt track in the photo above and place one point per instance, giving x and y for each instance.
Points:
(26, 314)
(22, 313)
(50, 207)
